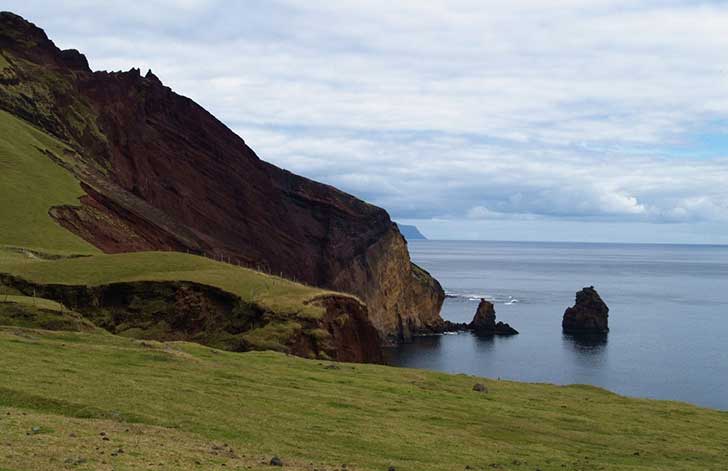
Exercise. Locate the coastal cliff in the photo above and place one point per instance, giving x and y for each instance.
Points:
(161, 173)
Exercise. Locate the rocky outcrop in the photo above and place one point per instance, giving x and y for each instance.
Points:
(171, 311)
(161, 173)
(484, 319)
(589, 315)
(447, 326)
(484, 322)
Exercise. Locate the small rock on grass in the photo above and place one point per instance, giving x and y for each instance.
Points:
(480, 387)
(275, 461)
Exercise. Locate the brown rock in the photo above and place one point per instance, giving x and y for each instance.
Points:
(502, 328)
(484, 321)
(589, 315)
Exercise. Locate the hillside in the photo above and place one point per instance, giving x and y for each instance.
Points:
(155, 171)
(73, 400)
(156, 295)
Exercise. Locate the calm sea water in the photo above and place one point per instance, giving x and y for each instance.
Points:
(668, 316)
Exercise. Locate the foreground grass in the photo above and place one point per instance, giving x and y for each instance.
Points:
(171, 406)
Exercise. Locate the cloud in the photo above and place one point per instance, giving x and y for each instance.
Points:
(456, 110)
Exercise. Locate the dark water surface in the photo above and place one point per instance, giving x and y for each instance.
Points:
(668, 316)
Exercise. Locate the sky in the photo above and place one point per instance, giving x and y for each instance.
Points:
(596, 121)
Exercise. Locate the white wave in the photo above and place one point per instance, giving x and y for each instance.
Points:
(469, 296)
(475, 297)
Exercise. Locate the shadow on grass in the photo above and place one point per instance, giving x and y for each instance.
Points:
(23, 400)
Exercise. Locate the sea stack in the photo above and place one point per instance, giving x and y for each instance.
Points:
(484, 321)
(589, 315)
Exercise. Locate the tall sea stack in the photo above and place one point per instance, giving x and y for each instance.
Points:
(589, 315)
(484, 321)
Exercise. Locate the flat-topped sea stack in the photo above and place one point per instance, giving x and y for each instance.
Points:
(589, 315)
(484, 322)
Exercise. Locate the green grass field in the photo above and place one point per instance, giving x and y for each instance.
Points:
(171, 406)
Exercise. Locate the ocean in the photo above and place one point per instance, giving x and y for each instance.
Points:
(668, 316)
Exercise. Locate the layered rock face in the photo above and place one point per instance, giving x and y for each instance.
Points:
(589, 315)
(162, 173)
(484, 321)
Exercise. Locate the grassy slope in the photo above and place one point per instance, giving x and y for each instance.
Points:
(365, 416)
(22, 311)
(30, 184)
(269, 291)
(40, 303)
(286, 300)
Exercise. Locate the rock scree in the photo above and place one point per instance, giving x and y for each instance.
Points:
(589, 315)
(484, 322)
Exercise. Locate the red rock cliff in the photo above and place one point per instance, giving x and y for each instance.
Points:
(162, 173)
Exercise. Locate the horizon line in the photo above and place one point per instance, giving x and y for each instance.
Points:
(698, 244)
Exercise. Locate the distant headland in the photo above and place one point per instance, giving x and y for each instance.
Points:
(411, 232)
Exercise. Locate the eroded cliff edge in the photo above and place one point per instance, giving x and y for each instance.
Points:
(189, 311)
(160, 172)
